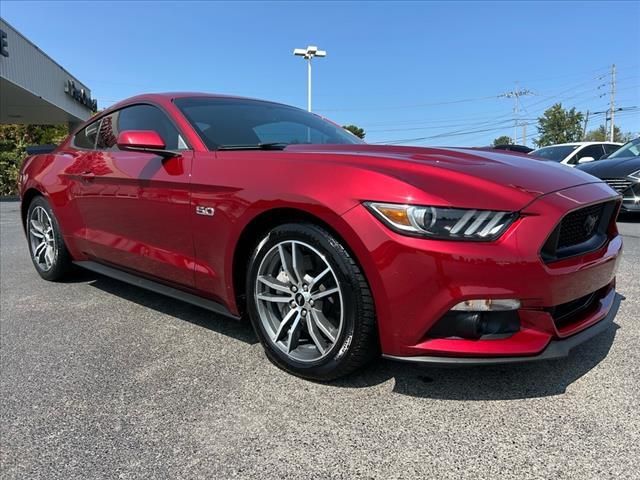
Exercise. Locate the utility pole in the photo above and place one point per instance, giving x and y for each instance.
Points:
(586, 121)
(516, 94)
(612, 101)
(516, 112)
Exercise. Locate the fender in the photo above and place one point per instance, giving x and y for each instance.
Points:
(325, 217)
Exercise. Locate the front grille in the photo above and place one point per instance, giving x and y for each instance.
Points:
(579, 226)
(579, 232)
(575, 310)
(618, 184)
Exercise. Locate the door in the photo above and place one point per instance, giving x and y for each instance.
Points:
(136, 206)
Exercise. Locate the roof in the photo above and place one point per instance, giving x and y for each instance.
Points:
(580, 144)
(173, 95)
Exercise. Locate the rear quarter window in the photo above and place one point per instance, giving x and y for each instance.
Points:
(609, 148)
(86, 138)
(108, 134)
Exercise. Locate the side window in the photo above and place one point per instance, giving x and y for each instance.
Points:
(610, 148)
(108, 134)
(148, 117)
(86, 138)
(594, 151)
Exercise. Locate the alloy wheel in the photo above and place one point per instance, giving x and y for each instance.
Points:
(299, 301)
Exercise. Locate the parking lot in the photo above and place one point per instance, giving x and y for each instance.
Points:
(103, 380)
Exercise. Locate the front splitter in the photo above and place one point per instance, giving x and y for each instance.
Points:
(556, 349)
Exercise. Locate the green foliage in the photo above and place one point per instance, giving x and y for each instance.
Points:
(9, 169)
(558, 125)
(14, 140)
(601, 134)
(503, 140)
(357, 131)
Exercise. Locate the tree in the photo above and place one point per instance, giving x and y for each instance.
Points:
(558, 125)
(503, 140)
(601, 134)
(14, 140)
(357, 131)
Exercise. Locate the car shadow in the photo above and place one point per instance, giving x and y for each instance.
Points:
(240, 330)
(499, 382)
(78, 275)
(505, 382)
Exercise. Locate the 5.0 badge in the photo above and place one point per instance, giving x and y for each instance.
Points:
(207, 211)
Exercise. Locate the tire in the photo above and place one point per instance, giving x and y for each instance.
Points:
(52, 260)
(314, 316)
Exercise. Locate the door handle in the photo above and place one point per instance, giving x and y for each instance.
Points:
(87, 175)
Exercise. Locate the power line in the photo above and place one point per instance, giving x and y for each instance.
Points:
(451, 102)
(453, 125)
(543, 100)
(418, 122)
(623, 111)
(477, 124)
(416, 105)
(441, 135)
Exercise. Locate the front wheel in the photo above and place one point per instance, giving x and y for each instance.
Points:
(310, 304)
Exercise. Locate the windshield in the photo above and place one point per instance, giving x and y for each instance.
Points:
(234, 123)
(557, 153)
(629, 149)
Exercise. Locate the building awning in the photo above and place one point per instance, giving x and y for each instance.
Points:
(34, 89)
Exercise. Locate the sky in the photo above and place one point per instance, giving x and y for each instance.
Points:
(419, 73)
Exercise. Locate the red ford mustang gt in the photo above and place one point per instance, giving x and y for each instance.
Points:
(336, 250)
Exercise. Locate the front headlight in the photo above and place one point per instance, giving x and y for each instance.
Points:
(443, 223)
(635, 175)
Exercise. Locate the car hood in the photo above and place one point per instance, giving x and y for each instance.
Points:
(515, 177)
(612, 167)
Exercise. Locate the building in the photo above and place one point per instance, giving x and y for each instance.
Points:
(34, 89)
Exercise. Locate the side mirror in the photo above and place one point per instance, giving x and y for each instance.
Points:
(147, 141)
(586, 160)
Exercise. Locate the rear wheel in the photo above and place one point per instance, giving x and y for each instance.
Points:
(310, 304)
(48, 252)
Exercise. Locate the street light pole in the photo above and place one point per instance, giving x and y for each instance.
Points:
(308, 53)
(309, 85)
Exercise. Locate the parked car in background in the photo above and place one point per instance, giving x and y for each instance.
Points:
(513, 148)
(577, 152)
(621, 170)
(335, 250)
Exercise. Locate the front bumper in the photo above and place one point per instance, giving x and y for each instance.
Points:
(556, 349)
(629, 188)
(631, 198)
(416, 281)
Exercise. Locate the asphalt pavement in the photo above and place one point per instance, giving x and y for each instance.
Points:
(99, 379)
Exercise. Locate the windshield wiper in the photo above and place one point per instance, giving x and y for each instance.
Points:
(259, 146)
